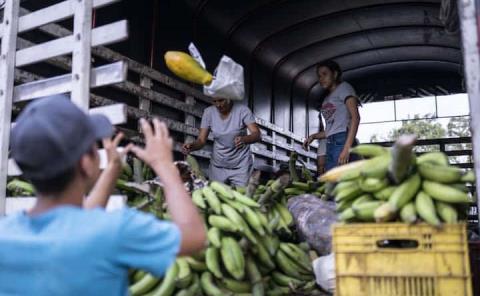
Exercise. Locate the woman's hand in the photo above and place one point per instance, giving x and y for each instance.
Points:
(239, 143)
(307, 142)
(344, 156)
(187, 148)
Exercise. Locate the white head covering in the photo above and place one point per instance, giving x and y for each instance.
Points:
(228, 81)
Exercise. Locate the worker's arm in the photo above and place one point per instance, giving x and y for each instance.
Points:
(253, 137)
(316, 136)
(198, 143)
(158, 155)
(105, 184)
(352, 107)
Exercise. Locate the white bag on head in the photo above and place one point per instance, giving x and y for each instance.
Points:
(228, 80)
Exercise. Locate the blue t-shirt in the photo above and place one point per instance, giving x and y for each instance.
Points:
(71, 251)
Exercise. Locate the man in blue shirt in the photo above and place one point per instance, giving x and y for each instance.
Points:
(67, 246)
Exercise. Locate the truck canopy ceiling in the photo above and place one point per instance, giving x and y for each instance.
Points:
(387, 48)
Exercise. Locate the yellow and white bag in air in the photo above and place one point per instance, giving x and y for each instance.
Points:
(228, 80)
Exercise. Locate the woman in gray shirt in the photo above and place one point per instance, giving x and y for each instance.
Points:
(231, 160)
(340, 111)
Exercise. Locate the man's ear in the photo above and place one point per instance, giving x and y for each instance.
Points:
(87, 165)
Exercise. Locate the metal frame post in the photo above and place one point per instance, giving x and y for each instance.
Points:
(468, 12)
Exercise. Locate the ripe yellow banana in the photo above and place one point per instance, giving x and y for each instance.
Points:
(335, 174)
(186, 67)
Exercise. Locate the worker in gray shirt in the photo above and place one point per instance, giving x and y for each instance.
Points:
(232, 125)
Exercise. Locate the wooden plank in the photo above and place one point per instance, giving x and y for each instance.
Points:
(14, 170)
(7, 72)
(159, 98)
(190, 119)
(116, 113)
(110, 55)
(429, 142)
(103, 35)
(81, 54)
(459, 152)
(51, 14)
(145, 104)
(463, 165)
(101, 76)
(24, 203)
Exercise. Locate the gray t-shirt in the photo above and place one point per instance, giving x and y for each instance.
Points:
(224, 131)
(334, 110)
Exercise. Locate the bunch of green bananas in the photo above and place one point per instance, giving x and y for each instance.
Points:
(18, 187)
(245, 254)
(433, 191)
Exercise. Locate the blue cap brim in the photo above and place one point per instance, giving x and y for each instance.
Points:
(101, 126)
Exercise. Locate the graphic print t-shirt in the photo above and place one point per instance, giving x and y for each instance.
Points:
(335, 112)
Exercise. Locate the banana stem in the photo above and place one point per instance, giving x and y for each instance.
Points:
(277, 187)
(253, 183)
(137, 170)
(402, 158)
(292, 166)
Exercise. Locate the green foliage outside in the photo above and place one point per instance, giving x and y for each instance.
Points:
(430, 129)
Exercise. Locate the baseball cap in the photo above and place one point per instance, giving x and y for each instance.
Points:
(51, 134)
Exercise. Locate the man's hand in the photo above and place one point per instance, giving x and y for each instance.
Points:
(187, 148)
(239, 142)
(158, 144)
(98, 196)
(114, 157)
(344, 156)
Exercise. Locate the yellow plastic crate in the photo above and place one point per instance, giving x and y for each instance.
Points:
(396, 259)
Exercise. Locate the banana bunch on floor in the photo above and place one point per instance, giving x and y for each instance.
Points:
(245, 256)
(432, 191)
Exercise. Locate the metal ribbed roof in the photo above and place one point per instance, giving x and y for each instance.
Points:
(385, 47)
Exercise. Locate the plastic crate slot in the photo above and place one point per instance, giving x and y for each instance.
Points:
(397, 244)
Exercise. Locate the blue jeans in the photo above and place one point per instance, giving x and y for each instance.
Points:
(335, 145)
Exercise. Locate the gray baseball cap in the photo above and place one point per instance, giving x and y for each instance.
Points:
(51, 134)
